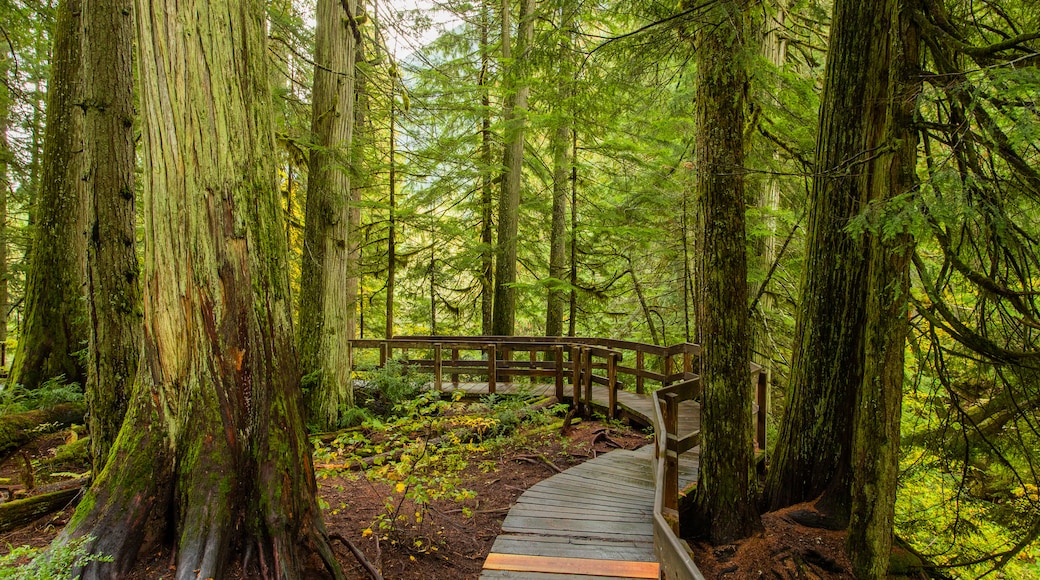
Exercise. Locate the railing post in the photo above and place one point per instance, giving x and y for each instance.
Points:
(492, 369)
(576, 357)
(687, 364)
(558, 356)
(667, 370)
(670, 412)
(612, 363)
(455, 365)
(437, 384)
(383, 348)
(640, 389)
(586, 357)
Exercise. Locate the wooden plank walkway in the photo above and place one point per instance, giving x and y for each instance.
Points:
(594, 520)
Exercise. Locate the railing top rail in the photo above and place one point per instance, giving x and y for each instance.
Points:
(612, 343)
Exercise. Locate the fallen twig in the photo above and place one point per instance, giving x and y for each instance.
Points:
(372, 571)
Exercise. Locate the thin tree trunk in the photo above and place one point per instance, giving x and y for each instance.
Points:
(573, 306)
(326, 311)
(561, 149)
(113, 292)
(725, 496)
(391, 236)
(774, 49)
(213, 449)
(5, 187)
(514, 115)
(487, 252)
(54, 327)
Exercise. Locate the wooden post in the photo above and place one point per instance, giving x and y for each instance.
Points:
(587, 363)
(612, 363)
(437, 384)
(492, 369)
(383, 347)
(667, 370)
(670, 410)
(558, 356)
(576, 377)
(640, 389)
(455, 365)
(687, 364)
(762, 408)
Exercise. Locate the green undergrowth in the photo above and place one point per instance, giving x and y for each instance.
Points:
(15, 398)
(419, 448)
(27, 563)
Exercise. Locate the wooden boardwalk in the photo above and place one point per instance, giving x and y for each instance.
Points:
(594, 520)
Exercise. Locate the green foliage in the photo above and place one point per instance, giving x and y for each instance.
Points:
(419, 452)
(385, 388)
(54, 563)
(15, 398)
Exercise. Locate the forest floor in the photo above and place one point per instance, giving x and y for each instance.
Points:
(450, 539)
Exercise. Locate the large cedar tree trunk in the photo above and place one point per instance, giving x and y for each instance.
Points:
(724, 504)
(113, 292)
(326, 308)
(213, 454)
(813, 448)
(875, 446)
(514, 118)
(54, 327)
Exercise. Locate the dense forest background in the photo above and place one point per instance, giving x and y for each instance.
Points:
(532, 171)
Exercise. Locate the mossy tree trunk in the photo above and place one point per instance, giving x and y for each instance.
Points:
(6, 156)
(326, 309)
(875, 445)
(113, 291)
(212, 453)
(813, 448)
(514, 118)
(54, 327)
(724, 503)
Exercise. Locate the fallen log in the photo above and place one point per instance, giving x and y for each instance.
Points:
(17, 513)
(18, 429)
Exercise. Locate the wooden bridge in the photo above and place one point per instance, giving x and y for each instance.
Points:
(615, 516)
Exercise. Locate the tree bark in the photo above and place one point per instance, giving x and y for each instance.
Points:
(487, 240)
(725, 498)
(813, 448)
(6, 156)
(54, 327)
(17, 513)
(326, 309)
(212, 453)
(561, 149)
(113, 293)
(516, 89)
(875, 445)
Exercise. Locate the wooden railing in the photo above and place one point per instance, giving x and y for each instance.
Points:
(582, 363)
(672, 552)
(576, 362)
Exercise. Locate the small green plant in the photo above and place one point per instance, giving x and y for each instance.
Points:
(53, 563)
(388, 386)
(15, 398)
